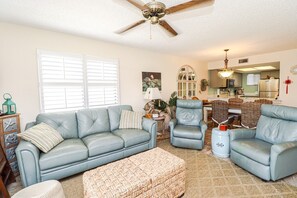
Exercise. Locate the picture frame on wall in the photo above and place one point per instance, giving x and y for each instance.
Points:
(151, 79)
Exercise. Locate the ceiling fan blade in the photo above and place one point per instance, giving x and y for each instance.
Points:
(167, 27)
(131, 26)
(184, 6)
(139, 4)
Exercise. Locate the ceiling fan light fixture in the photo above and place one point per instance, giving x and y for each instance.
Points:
(154, 19)
(225, 73)
(155, 11)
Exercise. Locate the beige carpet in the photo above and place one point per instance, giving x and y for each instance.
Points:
(207, 176)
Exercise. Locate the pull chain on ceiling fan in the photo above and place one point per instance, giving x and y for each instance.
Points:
(154, 11)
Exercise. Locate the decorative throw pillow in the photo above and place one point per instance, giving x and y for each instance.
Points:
(131, 120)
(42, 136)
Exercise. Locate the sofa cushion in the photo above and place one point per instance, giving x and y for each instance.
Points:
(101, 143)
(277, 124)
(114, 113)
(133, 136)
(190, 132)
(275, 130)
(131, 120)
(64, 122)
(67, 152)
(254, 149)
(42, 136)
(92, 121)
(189, 112)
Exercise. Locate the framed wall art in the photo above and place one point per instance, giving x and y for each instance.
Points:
(151, 79)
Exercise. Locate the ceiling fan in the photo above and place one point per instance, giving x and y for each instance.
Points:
(155, 10)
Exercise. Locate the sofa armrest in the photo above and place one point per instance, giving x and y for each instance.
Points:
(28, 161)
(151, 127)
(242, 134)
(29, 125)
(283, 158)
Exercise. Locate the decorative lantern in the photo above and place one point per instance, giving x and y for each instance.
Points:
(288, 82)
(8, 107)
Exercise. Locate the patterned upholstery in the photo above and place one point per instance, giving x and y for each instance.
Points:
(154, 173)
(250, 114)
(220, 111)
(263, 101)
(235, 101)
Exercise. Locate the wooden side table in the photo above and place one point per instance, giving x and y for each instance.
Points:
(6, 174)
(162, 133)
(9, 128)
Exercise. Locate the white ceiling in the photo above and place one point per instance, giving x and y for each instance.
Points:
(247, 27)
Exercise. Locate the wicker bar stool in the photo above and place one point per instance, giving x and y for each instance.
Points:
(263, 101)
(220, 113)
(250, 114)
(235, 103)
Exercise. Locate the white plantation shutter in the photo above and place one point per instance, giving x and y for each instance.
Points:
(76, 82)
(102, 80)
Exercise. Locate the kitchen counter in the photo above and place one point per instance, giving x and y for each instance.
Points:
(243, 96)
(248, 98)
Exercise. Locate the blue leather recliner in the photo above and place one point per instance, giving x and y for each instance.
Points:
(188, 129)
(270, 150)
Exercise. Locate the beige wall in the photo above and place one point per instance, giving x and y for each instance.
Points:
(19, 76)
(286, 58)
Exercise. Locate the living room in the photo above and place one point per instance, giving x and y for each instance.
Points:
(87, 29)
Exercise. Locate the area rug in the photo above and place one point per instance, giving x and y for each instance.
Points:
(206, 176)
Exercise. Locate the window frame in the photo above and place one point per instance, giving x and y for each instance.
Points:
(85, 83)
(187, 82)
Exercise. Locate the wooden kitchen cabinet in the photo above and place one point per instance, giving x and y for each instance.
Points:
(9, 128)
(238, 79)
(272, 73)
(215, 80)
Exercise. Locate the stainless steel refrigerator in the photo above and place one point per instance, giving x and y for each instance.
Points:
(268, 88)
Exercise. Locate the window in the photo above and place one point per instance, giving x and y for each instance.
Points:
(71, 82)
(252, 79)
(186, 82)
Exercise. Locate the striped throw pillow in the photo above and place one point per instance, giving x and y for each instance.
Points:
(42, 136)
(131, 120)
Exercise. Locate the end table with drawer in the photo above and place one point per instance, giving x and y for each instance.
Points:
(9, 128)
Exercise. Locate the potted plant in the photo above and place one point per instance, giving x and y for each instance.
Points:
(172, 104)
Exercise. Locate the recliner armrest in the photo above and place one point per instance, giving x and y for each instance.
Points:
(242, 134)
(172, 123)
(28, 162)
(282, 147)
(151, 127)
(283, 160)
(203, 126)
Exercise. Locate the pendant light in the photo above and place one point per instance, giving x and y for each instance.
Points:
(225, 73)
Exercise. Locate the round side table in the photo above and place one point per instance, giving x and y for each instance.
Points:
(220, 143)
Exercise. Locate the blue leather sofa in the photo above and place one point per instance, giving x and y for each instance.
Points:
(91, 138)
(188, 129)
(270, 150)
